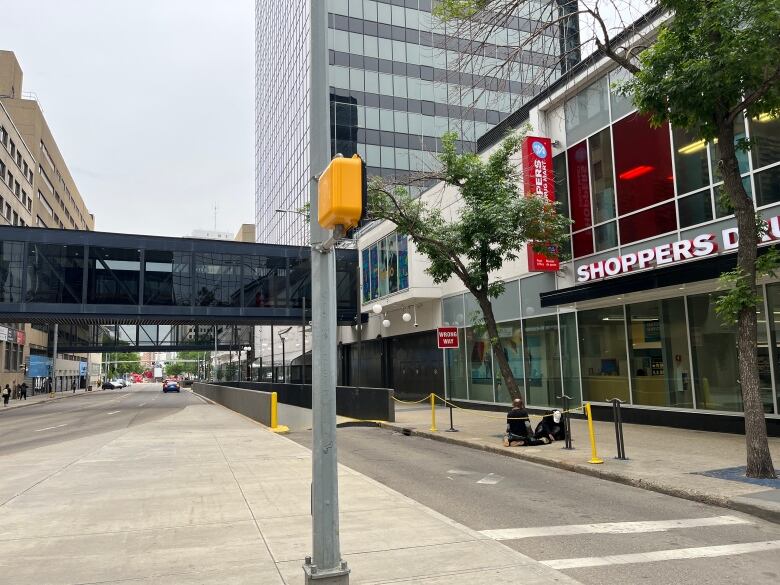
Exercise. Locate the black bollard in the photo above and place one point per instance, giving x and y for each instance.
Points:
(618, 418)
(566, 422)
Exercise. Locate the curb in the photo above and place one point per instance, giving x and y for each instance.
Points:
(46, 401)
(765, 510)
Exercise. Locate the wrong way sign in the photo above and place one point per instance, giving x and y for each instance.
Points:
(447, 337)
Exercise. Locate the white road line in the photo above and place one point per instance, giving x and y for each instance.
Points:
(611, 527)
(459, 472)
(665, 555)
(491, 479)
(142, 404)
(50, 428)
(113, 412)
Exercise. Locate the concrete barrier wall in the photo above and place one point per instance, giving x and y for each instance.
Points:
(361, 403)
(251, 403)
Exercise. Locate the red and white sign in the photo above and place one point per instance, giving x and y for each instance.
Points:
(539, 181)
(447, 337)
(20, 337)
(671, 253)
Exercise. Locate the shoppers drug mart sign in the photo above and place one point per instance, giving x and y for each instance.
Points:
(669, 253)
(538, 180)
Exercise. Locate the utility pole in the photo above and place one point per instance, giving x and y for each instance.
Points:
(325, 566)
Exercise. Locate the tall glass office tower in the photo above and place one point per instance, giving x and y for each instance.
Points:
(399, 80)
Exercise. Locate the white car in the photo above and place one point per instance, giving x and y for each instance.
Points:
(119, 383)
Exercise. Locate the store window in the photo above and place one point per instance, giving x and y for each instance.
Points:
(646, 224)
(455, 360)
(570, 359)
(582, 243)
(511, 335)
(764, 348)
(603, 361)
(579, 186)
(385, 267)
(723, 204)
(602, 185)
(765, 140)
(660, 364)
(773, 301)
(643, 163)
(713, 346)
(742, 155)
(606, 236)
(621, 105)
(480, 364)
(587, 111)
(542, 360)
(768, 186)
(690, 161)
(695, 209)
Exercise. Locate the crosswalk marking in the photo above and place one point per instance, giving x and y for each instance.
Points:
(611, 527)
(665, 555)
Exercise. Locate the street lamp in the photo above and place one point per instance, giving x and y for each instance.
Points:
(284, 359)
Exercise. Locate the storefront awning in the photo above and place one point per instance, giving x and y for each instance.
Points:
(687, 272)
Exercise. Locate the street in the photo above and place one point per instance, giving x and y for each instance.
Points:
(507, 498)
(86, 415)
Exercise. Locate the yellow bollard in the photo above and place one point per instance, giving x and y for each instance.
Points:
(275, 427)
(594, 456)
(433, 412)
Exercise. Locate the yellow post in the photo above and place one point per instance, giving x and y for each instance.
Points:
(275, 426)
(433, 412)
(594, 456)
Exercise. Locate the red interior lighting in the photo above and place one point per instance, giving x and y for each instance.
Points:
(636, 172)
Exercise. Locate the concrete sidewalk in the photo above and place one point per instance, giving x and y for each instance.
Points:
(666, 460)
(40, 399)
(205, 496)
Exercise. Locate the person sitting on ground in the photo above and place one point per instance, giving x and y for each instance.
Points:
(550, 428)
(518, 427)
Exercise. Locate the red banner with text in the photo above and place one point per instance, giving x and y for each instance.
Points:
(538, 180)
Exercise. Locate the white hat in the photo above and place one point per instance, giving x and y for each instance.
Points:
(557, 416)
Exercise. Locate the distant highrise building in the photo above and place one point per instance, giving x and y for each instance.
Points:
(398, 82)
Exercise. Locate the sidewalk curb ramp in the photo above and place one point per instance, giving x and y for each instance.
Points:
(46, 401)
(765, 510)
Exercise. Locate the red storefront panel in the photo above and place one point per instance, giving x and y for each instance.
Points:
(582, 244)
(579, 186)
(643, 163)
(646, 224)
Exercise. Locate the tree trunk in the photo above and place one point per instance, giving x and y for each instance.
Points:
(759, 459)
(495, 342)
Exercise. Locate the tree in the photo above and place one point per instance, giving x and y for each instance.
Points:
(493, 226)
(120, 363)
(713, 63)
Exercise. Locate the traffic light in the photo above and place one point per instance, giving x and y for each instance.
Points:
(341, 193)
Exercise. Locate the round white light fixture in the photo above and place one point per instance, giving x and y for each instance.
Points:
(377, 308)
(406, 317)
(386, 323)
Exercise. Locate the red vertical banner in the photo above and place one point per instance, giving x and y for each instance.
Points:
(538, 180)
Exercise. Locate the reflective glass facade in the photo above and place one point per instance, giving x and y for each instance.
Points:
(398, 82)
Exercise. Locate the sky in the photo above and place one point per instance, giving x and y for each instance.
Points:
(151, 103)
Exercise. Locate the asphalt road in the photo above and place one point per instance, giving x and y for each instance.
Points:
(489, 492)
(85, 415)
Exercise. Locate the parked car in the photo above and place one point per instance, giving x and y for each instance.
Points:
(120, 383)
(171, 386)
(110, 385)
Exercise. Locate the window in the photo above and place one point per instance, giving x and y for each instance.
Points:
(480, 365)
(660, 365)
(579, 186)
(602, 187)
(643, 163)
(587, 112)
(765, 138)
(542, 360)
(167, 279)
(113, 276)
(695, 209)
(603, 361)
(646, 224)
(11, 258)
(768, 186)
(713, 346)
(385, 267)
(582, 243)
(690, 161)
(55, 273)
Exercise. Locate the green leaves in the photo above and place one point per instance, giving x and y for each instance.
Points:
(491, 222)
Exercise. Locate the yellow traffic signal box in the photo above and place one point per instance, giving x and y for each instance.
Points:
(341, 193)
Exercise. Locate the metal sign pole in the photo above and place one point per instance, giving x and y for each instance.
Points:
(325, 566)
